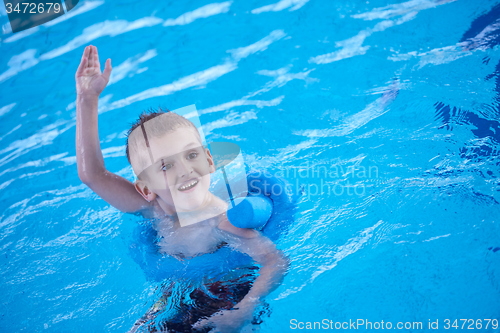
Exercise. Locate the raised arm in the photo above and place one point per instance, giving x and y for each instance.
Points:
(274, 265)
(115, 190)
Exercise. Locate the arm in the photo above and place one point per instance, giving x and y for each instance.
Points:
(274, 265)
(115, 190)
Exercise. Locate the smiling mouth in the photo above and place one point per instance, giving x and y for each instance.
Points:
(188, 185)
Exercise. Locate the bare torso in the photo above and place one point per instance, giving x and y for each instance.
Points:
(190, 241)
(194, 239)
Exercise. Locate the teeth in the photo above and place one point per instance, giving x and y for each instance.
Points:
(188, 186)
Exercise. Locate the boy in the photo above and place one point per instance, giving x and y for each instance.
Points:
(173, 177)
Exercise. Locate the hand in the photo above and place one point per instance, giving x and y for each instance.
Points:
(226, 321)
(89, 80)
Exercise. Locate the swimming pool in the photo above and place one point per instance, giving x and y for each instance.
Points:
(384, 113)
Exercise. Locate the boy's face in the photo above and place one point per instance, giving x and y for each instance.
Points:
(180, 174)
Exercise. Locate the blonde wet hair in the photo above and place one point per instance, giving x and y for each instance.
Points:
(151, 124)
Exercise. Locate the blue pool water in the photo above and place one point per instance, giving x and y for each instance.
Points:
(385, 114)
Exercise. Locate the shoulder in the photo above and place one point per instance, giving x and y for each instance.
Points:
(241, 232)
(151, 211)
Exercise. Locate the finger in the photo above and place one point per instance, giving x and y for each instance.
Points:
(83, 61)
(107, 70)
(82, 66)
(91, 57)
(96, 59)
(86, 52)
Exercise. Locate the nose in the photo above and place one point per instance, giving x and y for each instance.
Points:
(184, 169)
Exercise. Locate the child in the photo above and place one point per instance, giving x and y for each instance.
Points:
(173, 169)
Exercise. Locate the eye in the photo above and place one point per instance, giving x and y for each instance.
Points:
(165, 167)
(193, 155)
